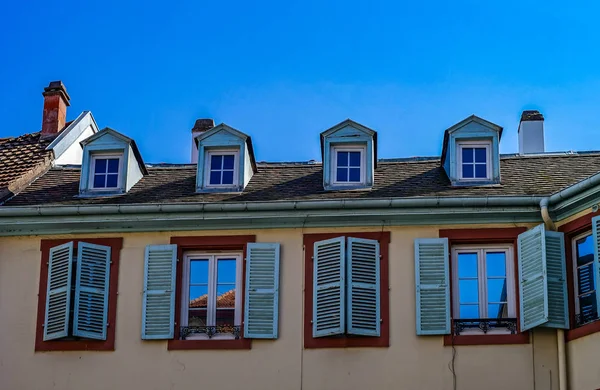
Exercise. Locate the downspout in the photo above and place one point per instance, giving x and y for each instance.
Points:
(560, 333)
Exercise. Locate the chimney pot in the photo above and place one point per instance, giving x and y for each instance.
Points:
(56, 101)
(200, 127)
(531, 132)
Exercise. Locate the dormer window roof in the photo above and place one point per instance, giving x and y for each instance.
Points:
(349, 152)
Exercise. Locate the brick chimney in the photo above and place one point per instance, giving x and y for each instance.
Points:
(200, 127)
(56, 101)
(531, 132)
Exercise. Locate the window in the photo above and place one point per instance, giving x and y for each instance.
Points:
(222, 169)
(348, 165)
(474, 162)
(105, 172)
(483, 285)
(585, 279)
(211, 293)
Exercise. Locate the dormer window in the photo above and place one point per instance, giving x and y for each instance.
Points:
(348, 165)
(106, 172)
(474, 160)
(222, 172)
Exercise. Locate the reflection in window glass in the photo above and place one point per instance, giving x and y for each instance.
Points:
(198, 306)
(468, 285)
(586, 279)
(226, 275)
(496, 284)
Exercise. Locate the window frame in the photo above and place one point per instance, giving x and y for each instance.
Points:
(363, 165)
(80, 344)
(207, 167)
(474, 144)
(91, 175)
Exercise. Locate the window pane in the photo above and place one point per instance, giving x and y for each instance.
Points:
(498, 310)
(199, 272)
(585, 278)
(480, 171)
(496, 290)
(112, 181)
(198, 306)
(215, 177)
(495, 263)
(467, 155)
(215, 162)
(587, 306)
(342, 159)
(226, 317)
(468, 291)
(100, 166)
(99, 181)
(113, 165)
(226, 271)
(226, 304)
(467, 170)
(469, 311)
(355, 159)
(342, 174)
(228, 161)
(467, 265)
(585, 250)
(480, 155)
(354, 174)
(227, 177)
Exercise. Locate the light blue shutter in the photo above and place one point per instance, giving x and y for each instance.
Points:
(363, 276)
(596, 238)
(58, 292)
(433, 286)
(328, 287)
(158, 310)
(91, 291)
(262, 291)
(533, 285)
(558, 309)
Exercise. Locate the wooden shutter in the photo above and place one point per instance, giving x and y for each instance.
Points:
(558, 309)
(362, 281)
(328, 287)
(58, 292)
(262, 291)
(158, 310)
(91, 291)
(533, 285)
(432, 286)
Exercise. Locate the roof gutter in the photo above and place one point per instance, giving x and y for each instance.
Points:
(574, 189)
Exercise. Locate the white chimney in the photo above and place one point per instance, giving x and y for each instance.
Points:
(531, 132)
(200, 127)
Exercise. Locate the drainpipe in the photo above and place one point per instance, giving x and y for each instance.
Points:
(560, 333)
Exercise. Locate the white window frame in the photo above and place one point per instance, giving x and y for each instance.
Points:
(575, 273)
(211, 310)
(236, 166)
(363, 164)
(481, 250)
(102, 156)
(488, 163)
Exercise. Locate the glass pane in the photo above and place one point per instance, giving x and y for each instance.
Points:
(496, 290)
(467, 170)
(342, 174)
(480, 155)
(585, 278)
(215, 162)
(480, 171)
(215, 177)
(228, 161)
(226, 296)
(226, 271)
(198, 296)
(99, 181)
(100, 166)
(495, 263)
(469, 311)
(197, 317)
(113, 165)
(587, 306)
(498, 310)
(227, 177)
(226, 317)
(467, 155)
(199, 272)
(354, 174)
(342, 159)
(112, 181)
(468, 291)
(467, 265)
(355, 159)
(585, 250)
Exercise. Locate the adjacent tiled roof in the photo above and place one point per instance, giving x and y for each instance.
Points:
(531, 175)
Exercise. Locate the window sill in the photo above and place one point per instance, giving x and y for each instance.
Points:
(72, 345)
(582, 331)
(347, 342)
(487, 339)
(174, 345)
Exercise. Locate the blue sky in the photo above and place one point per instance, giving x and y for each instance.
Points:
(285, 71)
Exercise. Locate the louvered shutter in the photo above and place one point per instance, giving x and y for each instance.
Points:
(596, 238)
(362, 282)
(533, 285)
(432, 286)
(262, 291)
(328, 287)
(158, 310)
(58, 292)
(91, 291)
(558, 309)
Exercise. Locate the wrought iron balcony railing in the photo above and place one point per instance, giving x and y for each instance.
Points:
(485, 324)
(209, 331)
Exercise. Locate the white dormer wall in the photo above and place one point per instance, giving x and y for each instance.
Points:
(134, 173)
(67, 145)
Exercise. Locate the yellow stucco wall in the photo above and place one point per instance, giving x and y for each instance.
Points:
(410, 362)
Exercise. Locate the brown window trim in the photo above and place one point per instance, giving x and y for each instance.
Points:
(346, 341)
(79, 345)
(486, 236)
(571, 230)
(207, 243)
